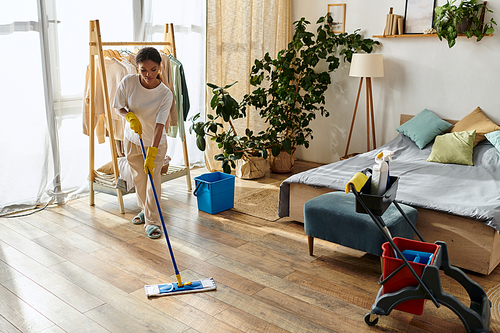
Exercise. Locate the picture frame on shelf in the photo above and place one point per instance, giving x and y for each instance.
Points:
(419, 15)
(337, 12)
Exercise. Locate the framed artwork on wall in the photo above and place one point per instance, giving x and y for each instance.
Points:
(337, 11)
(419, 15)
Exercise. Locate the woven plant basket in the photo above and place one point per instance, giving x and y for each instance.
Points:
(251, 167)
(283, 163)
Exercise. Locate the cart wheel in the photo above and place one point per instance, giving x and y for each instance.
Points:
(368, 320)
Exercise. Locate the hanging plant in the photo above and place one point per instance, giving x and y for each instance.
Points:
(467, 18)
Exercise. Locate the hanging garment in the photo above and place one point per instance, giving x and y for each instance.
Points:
(178, 93)
(115, 72)
(184, 89)
(132, 69)
(166, 74)
(98, 105)
(100, 128)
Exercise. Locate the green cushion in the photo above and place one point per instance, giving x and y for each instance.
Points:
(494, 138)
(456, 148)
(423, 128)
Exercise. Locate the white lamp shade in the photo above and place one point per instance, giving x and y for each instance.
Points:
(367, 65)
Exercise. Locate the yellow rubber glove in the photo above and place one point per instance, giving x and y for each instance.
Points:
(135, 124)
(149, 162)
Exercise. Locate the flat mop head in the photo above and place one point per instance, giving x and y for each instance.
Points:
(174, 289)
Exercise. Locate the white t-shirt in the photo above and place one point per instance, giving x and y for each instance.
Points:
(151, 106)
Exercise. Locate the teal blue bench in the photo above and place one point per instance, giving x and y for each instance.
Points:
(332, 217)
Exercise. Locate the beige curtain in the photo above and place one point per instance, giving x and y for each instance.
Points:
(238, 32)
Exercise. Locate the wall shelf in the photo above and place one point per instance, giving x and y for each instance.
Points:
(415, 35)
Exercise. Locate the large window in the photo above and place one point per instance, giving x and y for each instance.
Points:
(115, 18)
(42, 145)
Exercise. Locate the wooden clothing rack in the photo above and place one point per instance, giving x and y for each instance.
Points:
(96, 49)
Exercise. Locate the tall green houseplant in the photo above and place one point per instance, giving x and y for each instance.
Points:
(290, 89)
(289, 92)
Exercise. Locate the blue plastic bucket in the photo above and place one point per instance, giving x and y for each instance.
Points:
(215, 192)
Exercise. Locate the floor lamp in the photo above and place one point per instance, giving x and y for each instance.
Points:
(366, 66)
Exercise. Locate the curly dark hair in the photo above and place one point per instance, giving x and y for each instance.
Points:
(148, 53)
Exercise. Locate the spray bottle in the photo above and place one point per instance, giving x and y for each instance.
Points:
(388, 158)
(380, 175)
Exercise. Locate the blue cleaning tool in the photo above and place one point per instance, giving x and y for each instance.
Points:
(173, 288)
(418, 257)
(179, 287)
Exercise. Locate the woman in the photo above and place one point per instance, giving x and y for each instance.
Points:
(145, 103)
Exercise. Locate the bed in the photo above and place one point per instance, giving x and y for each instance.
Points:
(458, 204)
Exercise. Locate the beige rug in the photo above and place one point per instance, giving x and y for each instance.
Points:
(494, 296)
(259, 201)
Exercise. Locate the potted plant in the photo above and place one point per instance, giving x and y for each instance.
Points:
(290, 89)
(244, 153)
(467, 18)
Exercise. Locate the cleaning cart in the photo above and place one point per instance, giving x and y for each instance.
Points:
(410, 270)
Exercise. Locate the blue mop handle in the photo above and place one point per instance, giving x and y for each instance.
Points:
(161, 217)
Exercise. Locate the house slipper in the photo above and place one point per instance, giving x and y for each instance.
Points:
(153, 231)
(139, 216)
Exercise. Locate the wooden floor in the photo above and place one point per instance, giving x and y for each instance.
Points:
(77, 268)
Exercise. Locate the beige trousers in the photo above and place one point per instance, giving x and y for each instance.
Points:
(143, 190)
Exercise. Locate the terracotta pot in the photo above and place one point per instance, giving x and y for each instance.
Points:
(283, 163)
(251, 168)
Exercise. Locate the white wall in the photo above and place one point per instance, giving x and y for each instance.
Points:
(419, 73)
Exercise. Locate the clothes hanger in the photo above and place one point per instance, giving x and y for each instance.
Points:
(109, 54)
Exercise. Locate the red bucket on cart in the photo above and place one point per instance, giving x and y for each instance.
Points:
(404, 278)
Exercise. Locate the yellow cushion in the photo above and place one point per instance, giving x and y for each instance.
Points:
(107, 168)
(476, 120)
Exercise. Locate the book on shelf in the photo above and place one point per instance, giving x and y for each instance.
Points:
(394, 24)
(388, 23)
(401, 22)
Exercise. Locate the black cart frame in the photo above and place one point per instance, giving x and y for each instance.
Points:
(475, 318)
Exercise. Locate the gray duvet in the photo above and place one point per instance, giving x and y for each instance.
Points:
(468, 191)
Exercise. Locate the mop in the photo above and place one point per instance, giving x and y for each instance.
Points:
(178, 287)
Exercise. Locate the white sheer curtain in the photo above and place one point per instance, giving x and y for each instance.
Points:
(32, 170)
(188, 17)
(238, 32)
(27, 170)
